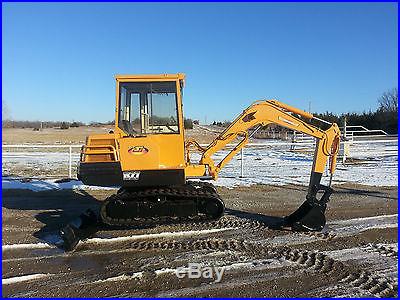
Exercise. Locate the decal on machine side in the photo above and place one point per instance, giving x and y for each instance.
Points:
(138, 150)
(131, 175)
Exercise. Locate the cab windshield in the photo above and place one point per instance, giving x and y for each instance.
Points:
(148, 108)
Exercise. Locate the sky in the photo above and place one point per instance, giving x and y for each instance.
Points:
(59, 59)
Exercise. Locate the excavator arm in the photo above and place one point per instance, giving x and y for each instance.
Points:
(310, 215)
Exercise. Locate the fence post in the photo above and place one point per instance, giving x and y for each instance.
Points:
(70, 161)
(241, 163)
(346, 151)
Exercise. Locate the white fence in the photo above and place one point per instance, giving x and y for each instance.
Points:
(32, 147)
(368, 149)
(351, 130)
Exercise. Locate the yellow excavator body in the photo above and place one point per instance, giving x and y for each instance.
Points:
(146, 155)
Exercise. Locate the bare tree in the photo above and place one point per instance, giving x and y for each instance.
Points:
(388, 102)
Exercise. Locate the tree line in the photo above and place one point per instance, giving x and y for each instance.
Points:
(385, 117)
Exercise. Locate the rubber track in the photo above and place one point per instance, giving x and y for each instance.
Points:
(317, 261)
(192, 193)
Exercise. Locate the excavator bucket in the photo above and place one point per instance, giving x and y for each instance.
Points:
(310, 216)
(78, 229)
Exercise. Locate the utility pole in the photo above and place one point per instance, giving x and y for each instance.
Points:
(309, 107)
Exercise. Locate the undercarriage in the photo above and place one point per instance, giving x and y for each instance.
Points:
(195, 201)
(143, 207)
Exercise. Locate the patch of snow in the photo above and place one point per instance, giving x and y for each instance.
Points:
(258, 264)
(277, 165)
(26, 246)
(37, 185)
(23, 278)
(363, 219)
(165, 271)
(120, 277)
(357, 225)
(253, 264)
(155, 235)
(263, 164)
(121, 238)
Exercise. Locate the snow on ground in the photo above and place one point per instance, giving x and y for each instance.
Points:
(45, 185)
(23, 278)
(54, 240)
(26, 162)
(376, 164)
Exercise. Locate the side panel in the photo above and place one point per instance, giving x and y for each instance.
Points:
(152, 152)
(110, 174)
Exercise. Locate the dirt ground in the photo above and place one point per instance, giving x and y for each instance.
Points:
(355, 255)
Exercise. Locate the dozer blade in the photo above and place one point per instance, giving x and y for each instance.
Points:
(78, 229)
(310, 216)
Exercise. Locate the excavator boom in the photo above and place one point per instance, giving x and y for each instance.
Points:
(310, 215)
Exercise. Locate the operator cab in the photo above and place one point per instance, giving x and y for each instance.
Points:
(148, 108)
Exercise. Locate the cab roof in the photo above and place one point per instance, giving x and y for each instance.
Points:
(150, 76)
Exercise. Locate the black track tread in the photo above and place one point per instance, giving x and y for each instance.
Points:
(204, 191)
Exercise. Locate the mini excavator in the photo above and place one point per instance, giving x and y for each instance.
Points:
(146, 155)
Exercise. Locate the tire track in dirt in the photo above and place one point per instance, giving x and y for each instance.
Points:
(316, 261)
(335, 229)
(382, 249)
(236, 222)
(17, 252)
(376, 285)
(243, 223)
